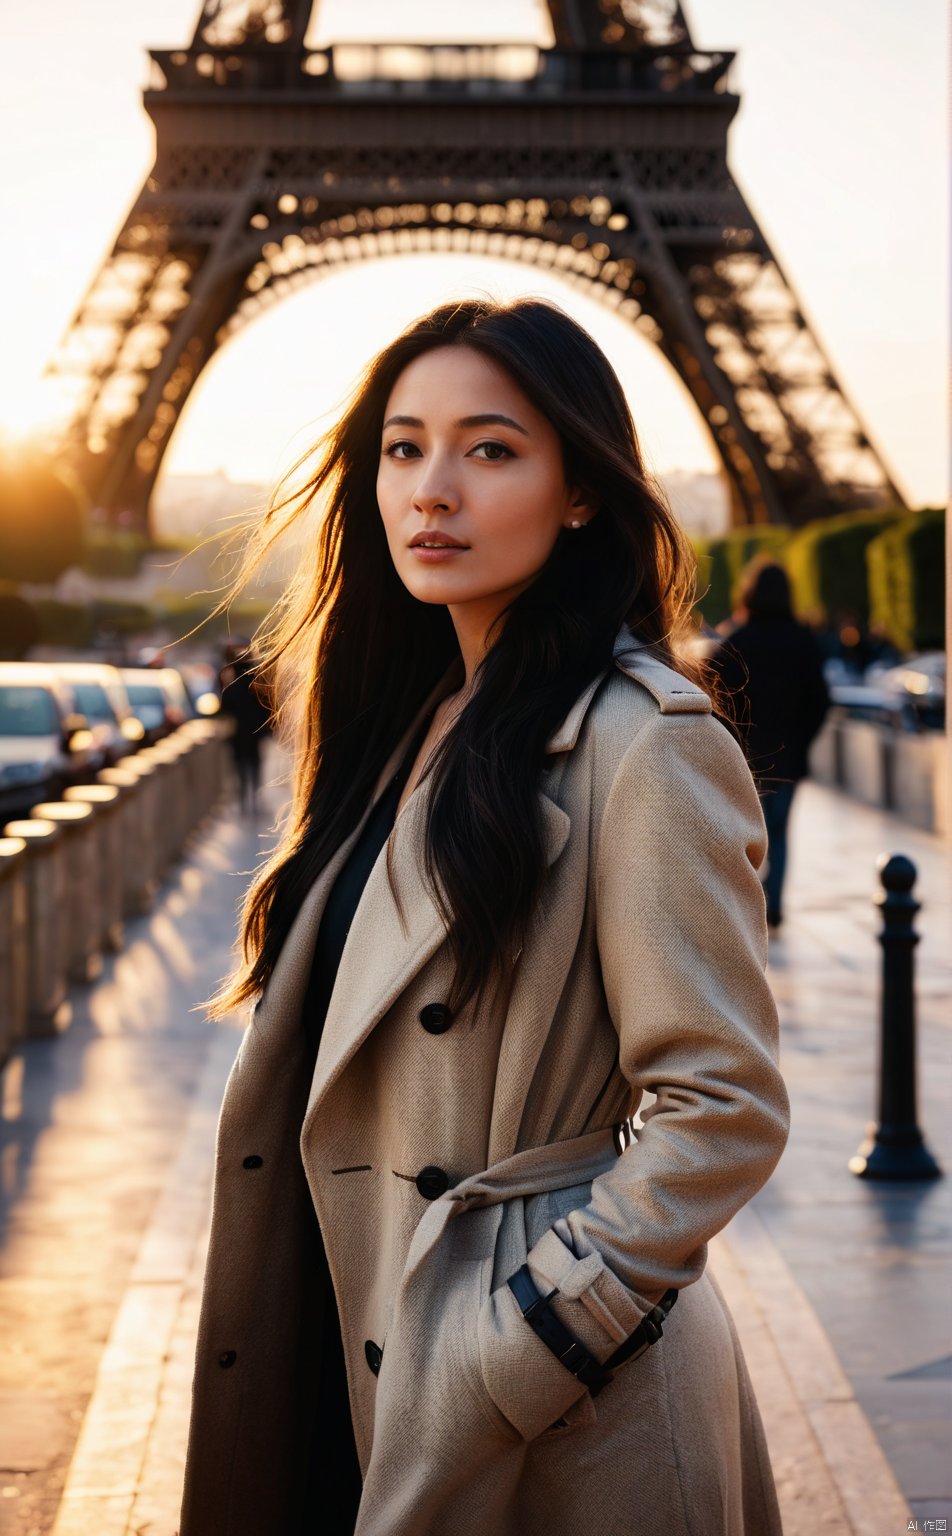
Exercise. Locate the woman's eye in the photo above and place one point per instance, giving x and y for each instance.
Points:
(492, 451)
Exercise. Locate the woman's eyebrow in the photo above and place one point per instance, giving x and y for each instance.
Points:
(488, 419)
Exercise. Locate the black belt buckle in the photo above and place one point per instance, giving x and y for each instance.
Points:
(623, 1135)
(647, 1333)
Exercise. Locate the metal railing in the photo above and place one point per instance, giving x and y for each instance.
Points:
(443, 69)
(74, 869)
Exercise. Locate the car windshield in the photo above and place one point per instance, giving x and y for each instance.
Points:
(93, 701)
(26, 711)
(145, 693)
(178, 691)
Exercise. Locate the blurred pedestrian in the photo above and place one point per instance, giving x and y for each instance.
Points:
(773, 668)
(250, 717)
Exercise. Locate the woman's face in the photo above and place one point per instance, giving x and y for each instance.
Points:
(465, 454)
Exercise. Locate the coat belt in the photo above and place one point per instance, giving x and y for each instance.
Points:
(533, 1171)
(536, 1170)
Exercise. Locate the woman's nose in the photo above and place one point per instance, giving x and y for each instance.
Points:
(434, 494)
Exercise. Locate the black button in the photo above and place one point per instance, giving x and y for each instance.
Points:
(436, 1018)
(374, 1355)
(432, 1182)
(254, 1161)
(227, 1359)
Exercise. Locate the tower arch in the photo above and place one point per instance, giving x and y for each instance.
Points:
(604, 156)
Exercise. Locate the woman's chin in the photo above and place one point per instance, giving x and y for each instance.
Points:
(433, 593)
(437, 587)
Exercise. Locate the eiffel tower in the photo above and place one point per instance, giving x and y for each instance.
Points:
(603, 158)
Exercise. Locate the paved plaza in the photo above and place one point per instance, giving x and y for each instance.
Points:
(839, 1287)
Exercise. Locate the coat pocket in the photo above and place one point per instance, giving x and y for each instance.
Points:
(468, 1285)
(527, 1384)
(505, 1374)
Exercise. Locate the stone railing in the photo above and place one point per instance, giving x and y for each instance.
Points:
(76, 869)
(898, 771)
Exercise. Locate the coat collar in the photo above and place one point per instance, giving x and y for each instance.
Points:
(565, 736)
(674, 694)
(628, 653)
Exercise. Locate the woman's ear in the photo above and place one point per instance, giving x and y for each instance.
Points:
(580, 507)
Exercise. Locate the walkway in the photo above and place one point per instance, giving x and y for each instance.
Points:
(839, 1288)
(850, 1303)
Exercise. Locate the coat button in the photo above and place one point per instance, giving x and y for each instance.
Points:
(227, 1359)
(374, 1355)
(254, 1161)
(432, 1182)
(436, 1018)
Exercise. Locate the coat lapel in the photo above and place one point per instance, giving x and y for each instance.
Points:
(277, 1015)
(384, 953)
(539, 982)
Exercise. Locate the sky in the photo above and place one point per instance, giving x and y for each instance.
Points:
(840, 147)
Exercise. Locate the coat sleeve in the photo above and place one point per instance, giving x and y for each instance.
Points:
(682, 943)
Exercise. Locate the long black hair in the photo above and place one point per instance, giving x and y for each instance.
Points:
(351, 655)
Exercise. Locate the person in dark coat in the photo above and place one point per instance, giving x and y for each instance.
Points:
(250, 717)
(772, 667)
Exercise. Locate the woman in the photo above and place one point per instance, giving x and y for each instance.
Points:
(772, 666)
(541, 848)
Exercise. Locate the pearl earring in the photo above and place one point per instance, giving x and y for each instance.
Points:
(575, 523)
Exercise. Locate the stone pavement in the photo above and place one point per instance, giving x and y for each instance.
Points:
(839, 1287)
(106, 1142)
(850, 1279)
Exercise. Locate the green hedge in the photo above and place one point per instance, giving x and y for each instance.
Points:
(905, 567)
(826, 563)
(713, 580)
(883, 569)
(115, 552)
(721, 563)
(184, 614)
(897, 589)
(75, 624)
(19, 624)
(69, 624)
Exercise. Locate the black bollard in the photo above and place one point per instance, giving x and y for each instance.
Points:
(895, 1148)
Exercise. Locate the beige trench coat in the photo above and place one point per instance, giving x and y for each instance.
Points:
(642, 973)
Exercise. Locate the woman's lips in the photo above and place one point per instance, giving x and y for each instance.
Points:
(433, 556)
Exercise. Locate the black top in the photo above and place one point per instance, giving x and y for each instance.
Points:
(331, 1476)
(241, 700)
(774, 670)
(346, 892)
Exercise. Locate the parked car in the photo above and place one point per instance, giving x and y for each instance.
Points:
(917, 686)
(176, 691)
(45, 743)
(862, 701)
(908, 697)
(201, 680)
(101, 696)
(159, 699)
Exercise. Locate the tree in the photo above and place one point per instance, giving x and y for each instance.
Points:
(42, 518)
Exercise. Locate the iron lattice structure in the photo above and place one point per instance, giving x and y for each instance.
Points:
(603, 157)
